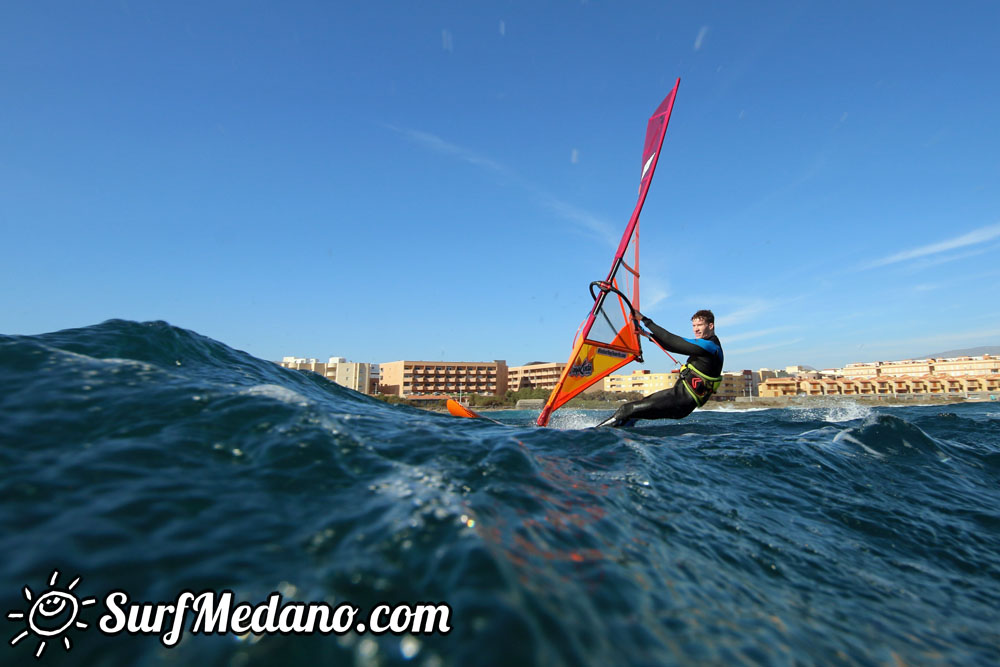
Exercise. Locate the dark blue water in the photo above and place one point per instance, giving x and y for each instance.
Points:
(143, 457)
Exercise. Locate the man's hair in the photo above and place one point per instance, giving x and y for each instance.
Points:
(705, 315)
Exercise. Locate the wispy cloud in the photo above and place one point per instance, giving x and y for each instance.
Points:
(438, 145)
(928, 262)
(890, 349)
(654, 290)
(597, 226)
(446, 41)
(586, 221)
(815, 168)
(749, 311)
(732, 338)
(700, 39)
(731, 352)
(975, 237)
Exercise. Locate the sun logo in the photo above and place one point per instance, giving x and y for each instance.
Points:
(51, 614)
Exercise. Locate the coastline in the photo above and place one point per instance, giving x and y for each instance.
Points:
(757, 403)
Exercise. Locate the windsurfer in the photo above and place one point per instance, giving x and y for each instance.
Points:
(699, 377)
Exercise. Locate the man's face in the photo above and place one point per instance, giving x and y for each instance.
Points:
(702, 329)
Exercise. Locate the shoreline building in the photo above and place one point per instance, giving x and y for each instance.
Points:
(351, 374)
(535, 375)
(641, 380)
(967, 377)
(414, 378)
(966, 386)
(734, 384)
(949, 366)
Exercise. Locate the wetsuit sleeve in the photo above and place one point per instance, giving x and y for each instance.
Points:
(674, 343)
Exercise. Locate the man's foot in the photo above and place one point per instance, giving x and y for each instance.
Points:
(613, 420)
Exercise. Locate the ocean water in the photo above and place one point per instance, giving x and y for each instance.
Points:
(149, 459)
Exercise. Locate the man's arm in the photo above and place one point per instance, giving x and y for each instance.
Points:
(674, 343)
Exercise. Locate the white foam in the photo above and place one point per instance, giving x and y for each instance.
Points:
(847, 437)
(843, 412)
(278, 393)
(847, 412)
(572, 420)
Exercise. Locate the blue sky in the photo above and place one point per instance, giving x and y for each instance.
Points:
(442, 180)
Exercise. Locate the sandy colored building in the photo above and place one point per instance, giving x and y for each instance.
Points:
(861, 370)
(777, 387)
(351, 374)
(736, 384)
(536, 375)
(733, 385)
(967, 377)
(303, 364)
(951, 366)
(907, 367)
(642, 381)
(934, 385)
(405, 378)
(765, 374)
(964, 366)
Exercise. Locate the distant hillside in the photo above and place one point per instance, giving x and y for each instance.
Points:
(967, 352)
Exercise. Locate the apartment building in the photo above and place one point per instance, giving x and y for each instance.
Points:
(785, 386)
(303, 364)
(642, 381)
(735, 384)
(861, 370)
(407, 378)
(536, 375)
(765, 374)
(351, 374)
(935, 385)
(958, 366)
(906, 367)
(952, 366)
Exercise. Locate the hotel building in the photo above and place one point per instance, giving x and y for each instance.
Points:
(536, 375)
(902, 385)
(351, 374)
(642, 381)
(952, 366)
(740, 383)
(734, 385)
(411, 378)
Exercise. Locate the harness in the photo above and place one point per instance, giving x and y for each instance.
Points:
(699, 385)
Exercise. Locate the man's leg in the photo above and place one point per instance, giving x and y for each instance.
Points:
(673, 403)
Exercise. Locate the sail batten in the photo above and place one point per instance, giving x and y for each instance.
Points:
(608, 339)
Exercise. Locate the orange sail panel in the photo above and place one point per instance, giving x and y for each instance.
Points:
(608, 339)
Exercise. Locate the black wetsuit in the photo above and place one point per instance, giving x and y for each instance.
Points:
(704, 354)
